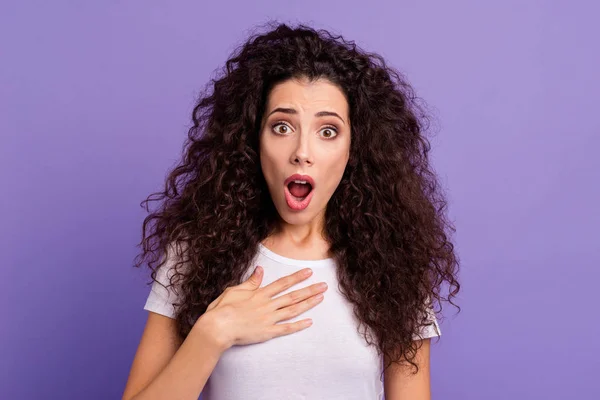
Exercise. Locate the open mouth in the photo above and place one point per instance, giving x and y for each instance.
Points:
(299, 189)
(298, 194)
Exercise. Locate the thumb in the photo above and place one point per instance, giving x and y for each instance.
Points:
(254, 281)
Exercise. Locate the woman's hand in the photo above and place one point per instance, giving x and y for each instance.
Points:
(246, 313)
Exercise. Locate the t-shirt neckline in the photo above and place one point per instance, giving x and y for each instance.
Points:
(295, 262)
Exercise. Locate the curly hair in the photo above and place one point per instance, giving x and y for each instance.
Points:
(385, 223)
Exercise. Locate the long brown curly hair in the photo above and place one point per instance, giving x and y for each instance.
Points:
(385, 222)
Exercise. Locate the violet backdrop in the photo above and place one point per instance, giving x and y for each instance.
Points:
(95, 101)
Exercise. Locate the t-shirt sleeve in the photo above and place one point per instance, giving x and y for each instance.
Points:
(430, 330)
(160, 299)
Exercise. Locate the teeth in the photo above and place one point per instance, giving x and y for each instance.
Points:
(302, 182)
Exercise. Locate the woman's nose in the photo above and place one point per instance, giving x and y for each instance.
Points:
(302, 152)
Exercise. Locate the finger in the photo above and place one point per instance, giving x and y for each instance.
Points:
(215, 302)
(294, 310)
(289, 328)
(254, 281)
(286, 282)
(298, 295)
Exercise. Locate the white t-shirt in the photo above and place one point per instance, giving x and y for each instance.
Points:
(329, 360)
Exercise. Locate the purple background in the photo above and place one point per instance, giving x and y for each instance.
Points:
(94, 106)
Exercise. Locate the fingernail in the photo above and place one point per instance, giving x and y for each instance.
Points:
(258, 270)
(307, 272)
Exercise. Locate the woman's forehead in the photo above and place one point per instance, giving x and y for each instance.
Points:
(300, 96)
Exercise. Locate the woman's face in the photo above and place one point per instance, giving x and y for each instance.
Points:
(305, 130)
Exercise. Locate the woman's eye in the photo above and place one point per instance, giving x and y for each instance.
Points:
(329, 132)
(281, 128)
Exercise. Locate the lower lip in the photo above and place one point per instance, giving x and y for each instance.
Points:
(297, 205)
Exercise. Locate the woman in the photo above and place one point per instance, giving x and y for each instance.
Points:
(301, 244)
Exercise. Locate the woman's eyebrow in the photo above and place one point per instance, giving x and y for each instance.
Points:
(319, 114)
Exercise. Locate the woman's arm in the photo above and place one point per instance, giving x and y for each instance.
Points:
(400, 382)
(242, 314)
(163, 368)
